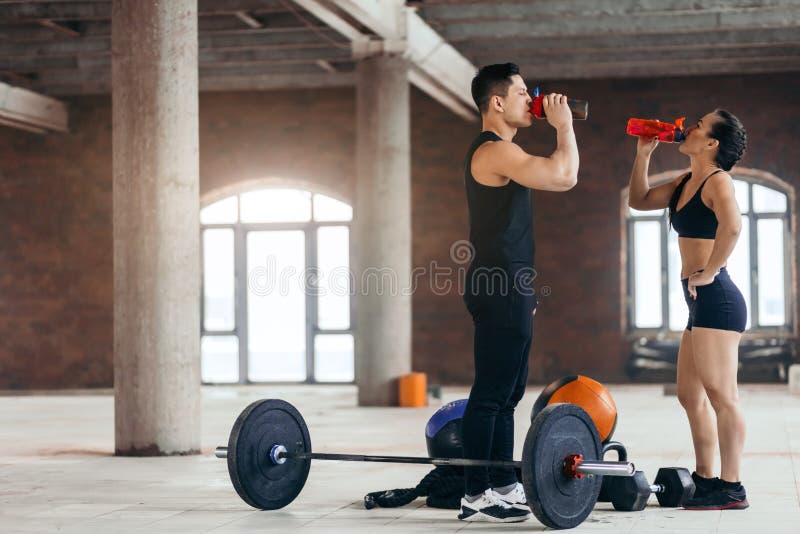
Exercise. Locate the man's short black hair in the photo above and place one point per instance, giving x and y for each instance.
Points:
(492, 80)
(732, 137)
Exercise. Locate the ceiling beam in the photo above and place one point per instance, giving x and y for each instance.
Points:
(64, 28)
(327, 66)
(650, 36)
(31, 111)
(267, 82)
(15, 78)
(447, 12)
(433, 89)
(250, 82)
(21, 126)
(333, 20)
(248, 19)
(653, 57)
(441, 71)
(328, 56)
(385, 18)
(99, 85)
(636, 23)
(22, 12)
(218, 24)
(94, 40)
(610, 43)
(27, 11)
(660, 69)
(440, 60)
(554, 39)
(282, 72)
(222, 40)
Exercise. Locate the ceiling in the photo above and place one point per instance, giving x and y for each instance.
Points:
(62, 47)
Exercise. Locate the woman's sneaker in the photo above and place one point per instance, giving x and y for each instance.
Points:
(488, 507)
(703, 485)
(515, 498)
(725, 496)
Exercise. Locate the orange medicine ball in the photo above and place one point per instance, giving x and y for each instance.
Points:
(589, 394)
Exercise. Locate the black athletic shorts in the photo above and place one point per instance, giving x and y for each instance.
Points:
(719, 305)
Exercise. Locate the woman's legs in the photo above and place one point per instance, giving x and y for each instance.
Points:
(693, 398)
(716, 363)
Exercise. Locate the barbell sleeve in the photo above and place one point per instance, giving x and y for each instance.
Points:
(612, 469)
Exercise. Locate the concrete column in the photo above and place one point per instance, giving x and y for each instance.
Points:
(156, 227)
(381, 244)
(794, 379)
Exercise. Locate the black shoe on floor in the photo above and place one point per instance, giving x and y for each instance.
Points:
(726, 496)
(703, 485)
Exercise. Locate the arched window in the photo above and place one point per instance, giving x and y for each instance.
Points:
(275, 288)
(761, 265)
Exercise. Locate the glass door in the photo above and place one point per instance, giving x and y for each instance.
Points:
(276, 306)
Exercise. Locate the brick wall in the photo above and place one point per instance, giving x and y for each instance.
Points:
(56, 253)
(55, 214)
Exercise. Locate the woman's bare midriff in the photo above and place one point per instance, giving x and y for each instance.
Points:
(694, 254)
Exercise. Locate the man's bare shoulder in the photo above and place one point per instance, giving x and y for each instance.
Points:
(487, 162)
(497, 148)
(495, 153)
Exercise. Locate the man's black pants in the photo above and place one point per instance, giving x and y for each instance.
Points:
(501, 373)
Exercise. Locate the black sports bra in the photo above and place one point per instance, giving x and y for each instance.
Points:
(694, 219)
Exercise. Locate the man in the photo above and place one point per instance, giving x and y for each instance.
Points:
(498, 177)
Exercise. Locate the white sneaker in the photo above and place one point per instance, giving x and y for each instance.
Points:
(515, 498)
(491, 509)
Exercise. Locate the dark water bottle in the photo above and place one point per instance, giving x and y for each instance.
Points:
(579, 108)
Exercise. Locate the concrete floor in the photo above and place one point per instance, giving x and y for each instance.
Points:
(57, 473)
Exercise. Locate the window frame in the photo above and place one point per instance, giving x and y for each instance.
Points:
(755, 331)
(240, 230)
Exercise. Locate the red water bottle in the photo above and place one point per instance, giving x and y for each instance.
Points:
(579, 108)
(663, 131)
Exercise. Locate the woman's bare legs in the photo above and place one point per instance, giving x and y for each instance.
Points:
(716, 363)
(693, 398)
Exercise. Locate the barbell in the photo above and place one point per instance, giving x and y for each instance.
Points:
(269, 457)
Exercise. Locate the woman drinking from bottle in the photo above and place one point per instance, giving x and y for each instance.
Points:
(703, 210)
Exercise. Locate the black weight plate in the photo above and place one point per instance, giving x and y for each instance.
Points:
(557, 432)
(258, 481)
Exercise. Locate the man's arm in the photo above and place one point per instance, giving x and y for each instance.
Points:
(555, 173)
(559, 172)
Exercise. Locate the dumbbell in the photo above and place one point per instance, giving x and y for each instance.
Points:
(673, 485)
(622, 456)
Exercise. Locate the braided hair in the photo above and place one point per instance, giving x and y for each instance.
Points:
(732, 137)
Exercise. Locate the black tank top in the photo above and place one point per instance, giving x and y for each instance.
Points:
(694, 219)
(500, 218)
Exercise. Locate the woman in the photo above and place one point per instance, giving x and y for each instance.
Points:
(703, 210)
